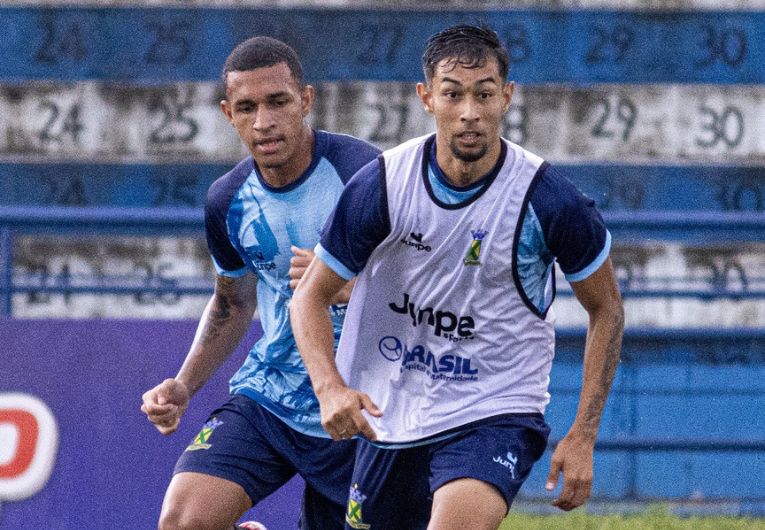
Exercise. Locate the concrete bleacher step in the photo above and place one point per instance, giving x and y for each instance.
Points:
(661, 124)
(122, 261)
(110, 134)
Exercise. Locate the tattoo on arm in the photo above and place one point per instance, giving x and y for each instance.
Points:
(222, 307)
(594, 409)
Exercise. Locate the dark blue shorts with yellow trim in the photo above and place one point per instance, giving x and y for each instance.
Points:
(246, 444)
(393, 488)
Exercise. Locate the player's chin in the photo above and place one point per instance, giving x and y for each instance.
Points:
(468, 154)
(271, 161)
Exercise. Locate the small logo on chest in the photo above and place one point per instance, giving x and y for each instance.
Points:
(259, 261)
(415, 241)
(473, 256)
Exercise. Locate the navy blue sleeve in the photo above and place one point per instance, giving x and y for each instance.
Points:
(573, 229)
(349, 154)
(225, 257)
(359, 222)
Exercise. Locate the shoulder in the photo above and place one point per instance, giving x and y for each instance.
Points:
(346, 153)
(367, 186)
(571, 225)
(553, 194)
(222, 190)
(410, 146)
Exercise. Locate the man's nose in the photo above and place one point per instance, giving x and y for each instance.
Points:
(469, 110)
(263, 120)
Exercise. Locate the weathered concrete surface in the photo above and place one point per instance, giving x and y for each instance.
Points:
(111, 261)
(672, 124)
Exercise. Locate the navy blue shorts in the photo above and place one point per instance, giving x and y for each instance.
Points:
(393, 488)
(246, 444)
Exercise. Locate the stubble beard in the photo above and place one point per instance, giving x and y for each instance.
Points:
(467, 156)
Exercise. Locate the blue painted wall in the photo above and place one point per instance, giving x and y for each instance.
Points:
(154, 45)
(614, 187)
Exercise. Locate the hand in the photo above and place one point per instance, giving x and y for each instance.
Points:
(341, 413)
(298, 264)
(574, 458)
(165, 404)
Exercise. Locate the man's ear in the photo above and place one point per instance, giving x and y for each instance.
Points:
(507, 95)
(225, 108)
(307, 95)
(426, 96)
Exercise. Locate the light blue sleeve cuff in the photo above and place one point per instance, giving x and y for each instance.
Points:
(333, 263)
(595, 265)
(230, 274)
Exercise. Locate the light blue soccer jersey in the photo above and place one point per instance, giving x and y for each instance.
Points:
(251, 227)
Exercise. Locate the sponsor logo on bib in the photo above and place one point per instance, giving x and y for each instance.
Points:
(444, 323)
(449, 367)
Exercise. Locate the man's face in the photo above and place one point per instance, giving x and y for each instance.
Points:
(267, 108)
(468, 105)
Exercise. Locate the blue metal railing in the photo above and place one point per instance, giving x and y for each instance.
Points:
(102, 220)
(686, 225)
(6, 270)
(85, 221)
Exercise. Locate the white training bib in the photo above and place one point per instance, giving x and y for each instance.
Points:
(437, 332)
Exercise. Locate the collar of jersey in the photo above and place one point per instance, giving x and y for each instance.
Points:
(429, 161)
(320, 141)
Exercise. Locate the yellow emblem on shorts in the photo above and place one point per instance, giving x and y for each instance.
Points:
(353, 516)
(201, 439)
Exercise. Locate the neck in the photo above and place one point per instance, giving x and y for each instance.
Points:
(280, 176)
(461, 173)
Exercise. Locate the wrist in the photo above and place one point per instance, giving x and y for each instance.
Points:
(327, 387)
(185, 386)
(583, 434)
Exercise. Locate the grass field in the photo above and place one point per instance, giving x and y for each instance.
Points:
(653, 519)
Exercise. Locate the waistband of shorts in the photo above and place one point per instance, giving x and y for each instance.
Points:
(454, 431)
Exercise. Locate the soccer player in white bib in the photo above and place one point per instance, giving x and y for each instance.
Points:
(444, 360)
(261, 219)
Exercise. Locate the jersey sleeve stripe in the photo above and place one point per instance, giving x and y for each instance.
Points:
(238, 273)
(595, 265)
(333, 263)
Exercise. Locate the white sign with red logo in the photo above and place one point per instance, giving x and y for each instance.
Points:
(28, 444)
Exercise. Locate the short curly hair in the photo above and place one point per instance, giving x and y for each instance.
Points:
(261, 52)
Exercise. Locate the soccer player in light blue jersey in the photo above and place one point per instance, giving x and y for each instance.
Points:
(261, 220)
(444, 361)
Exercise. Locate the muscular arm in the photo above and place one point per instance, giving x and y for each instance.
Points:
(340, 406)
(224, 322)
(599, 295)
(226, 318)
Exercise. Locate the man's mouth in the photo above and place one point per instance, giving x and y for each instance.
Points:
(268, 145)
(468, 137)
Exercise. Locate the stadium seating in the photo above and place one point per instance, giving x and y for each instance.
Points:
(111, 136)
